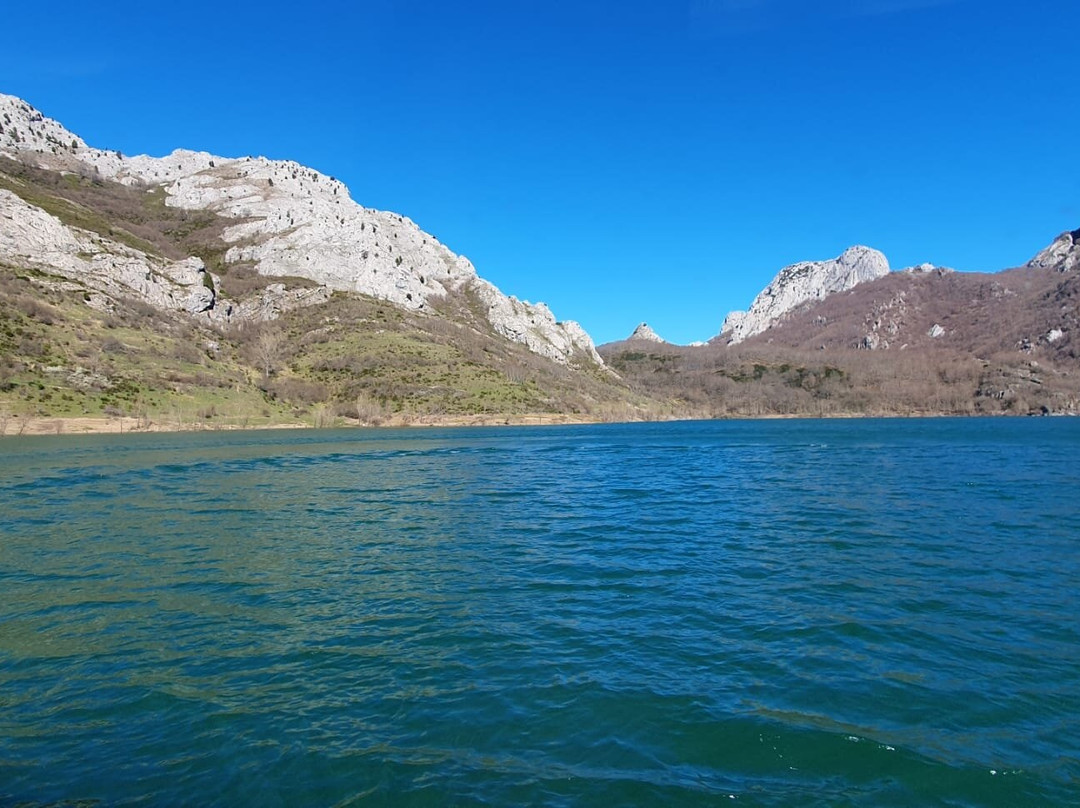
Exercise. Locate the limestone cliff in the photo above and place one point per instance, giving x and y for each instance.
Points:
(802, 282)
(1063, 254)
(32, 238)
(290, 221)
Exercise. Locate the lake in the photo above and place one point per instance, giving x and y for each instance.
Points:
(872, 612)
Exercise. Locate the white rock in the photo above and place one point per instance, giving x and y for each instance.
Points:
(27, 130)
(295, 221)
(272, 301)
(200, 299)
(643, 332)
(798, 283)
(926, 269)
(32, 238)
(1054, 335)
(1063, 254)
(733, 322)
(533, 325)
(935, 331)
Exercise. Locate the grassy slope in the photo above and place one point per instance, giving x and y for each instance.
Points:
(58, 357)
(353, 359)
(360, 360)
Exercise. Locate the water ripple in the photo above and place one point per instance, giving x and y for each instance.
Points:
(831, 613)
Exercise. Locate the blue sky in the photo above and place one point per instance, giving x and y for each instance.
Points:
(620, 161)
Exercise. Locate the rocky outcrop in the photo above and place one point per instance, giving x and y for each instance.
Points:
(1063, 254)
(734, 326)
(885, 321)
(643, 332)
(23, 128)
(533, 325)
(800, 283)
(293, 221)
(275, 299)
(106, 270)
(925, 269)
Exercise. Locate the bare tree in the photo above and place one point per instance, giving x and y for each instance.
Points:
(268, 349)
(368, 411)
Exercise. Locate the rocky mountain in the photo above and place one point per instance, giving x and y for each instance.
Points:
(643, 332)
(801, 283)
(1022, 310)
(196, 290)
(850, 337)
(1063, 254)
(277, 219)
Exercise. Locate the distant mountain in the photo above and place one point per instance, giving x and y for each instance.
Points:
(850, 337)
(799, 283)
(1027, 311)
(643, 332)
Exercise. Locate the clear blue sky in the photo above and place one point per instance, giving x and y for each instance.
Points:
(621, 161)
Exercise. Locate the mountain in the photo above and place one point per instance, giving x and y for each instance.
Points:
(276, 218)
(799, 283)
(643, 332)
(1063, 254)
(1023, 311)
(200, 290)
(849, 337)
(196, 290)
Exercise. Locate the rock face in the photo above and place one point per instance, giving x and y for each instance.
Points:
(32, 238)
(643, 332)
(802, 282)
(925, 269)
(1063, 254)
(290, 221)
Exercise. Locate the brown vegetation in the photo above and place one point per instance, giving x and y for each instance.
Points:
(874, 351)
(1005, 346)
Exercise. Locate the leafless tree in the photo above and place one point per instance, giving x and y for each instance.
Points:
(268, 349)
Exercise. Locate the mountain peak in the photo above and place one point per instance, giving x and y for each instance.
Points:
(23, 128)
(1063, 254)
(644, 332)
(802, 282)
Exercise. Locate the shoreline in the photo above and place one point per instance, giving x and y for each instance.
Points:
(117, 425)
(37, 426)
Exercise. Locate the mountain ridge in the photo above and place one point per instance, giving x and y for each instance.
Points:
(207, 291)
(925, 340)
(287, 220)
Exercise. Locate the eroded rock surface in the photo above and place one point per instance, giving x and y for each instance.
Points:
(1063, 254)
(291, 221)
(802, 282)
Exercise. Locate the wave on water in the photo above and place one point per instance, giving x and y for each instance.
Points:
(784, 612)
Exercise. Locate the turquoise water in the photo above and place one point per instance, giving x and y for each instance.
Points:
(760, 613)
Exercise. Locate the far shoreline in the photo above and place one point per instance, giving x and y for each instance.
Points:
(38, 426)
(41, 426)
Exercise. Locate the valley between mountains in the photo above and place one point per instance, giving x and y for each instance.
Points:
(194, 291)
